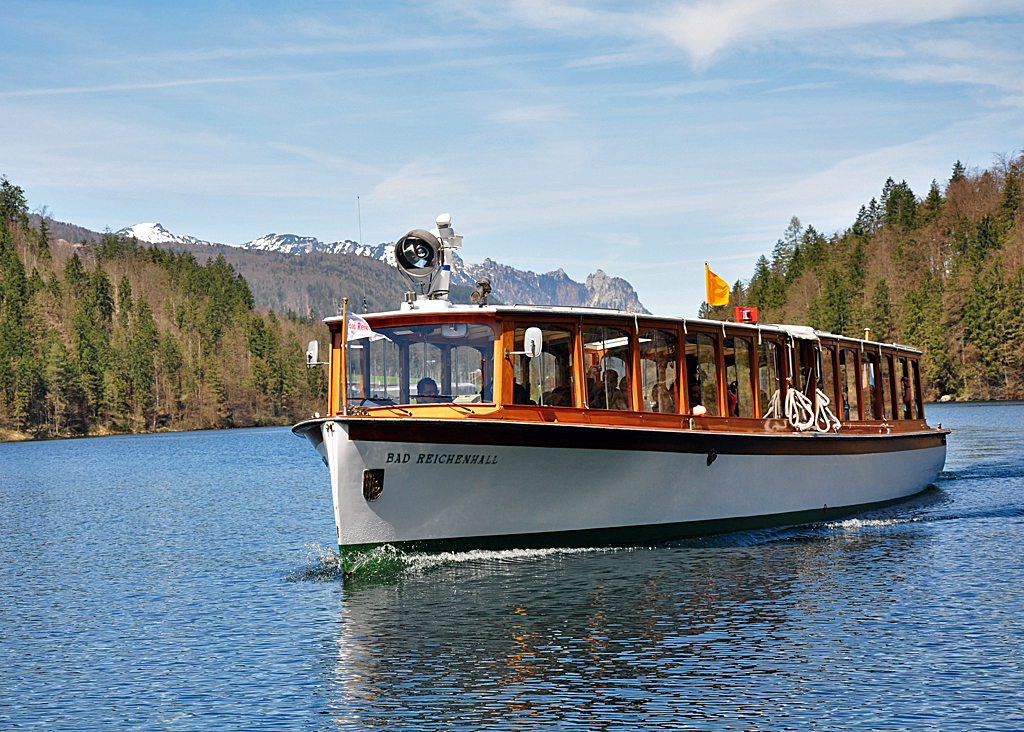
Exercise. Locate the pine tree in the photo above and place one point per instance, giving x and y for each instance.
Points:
(141, 369)
(760, 284)
(124, 302)
(900, 206)
(1011, 202)
(880, 321)
(831, 310)
(75, 276)
(932, 204)
(13, 206)
(43, 242)
(959, 174)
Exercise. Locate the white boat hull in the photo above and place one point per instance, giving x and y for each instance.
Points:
(440, 494)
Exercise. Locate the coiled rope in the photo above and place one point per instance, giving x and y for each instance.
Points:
(801, 413)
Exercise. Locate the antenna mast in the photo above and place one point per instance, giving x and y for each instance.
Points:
(359, 213)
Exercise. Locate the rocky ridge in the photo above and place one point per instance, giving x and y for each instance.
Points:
(510, 285)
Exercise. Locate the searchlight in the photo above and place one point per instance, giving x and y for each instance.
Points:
(425, 258)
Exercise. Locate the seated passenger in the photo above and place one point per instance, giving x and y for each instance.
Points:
(560, 397)
(695, 398)
(426, 391)
(620, 398)
(661, 399)
(605, 392)
(520, 395)
(731, 393)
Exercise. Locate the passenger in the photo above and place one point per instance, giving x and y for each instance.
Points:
(695, 398)
(656, 391)
(520, 395)
(907, 398)
(426, 391)
(730, 392)
(560, 397)
(607, 393)
(620, 397)
(595, 388)
(661, 399)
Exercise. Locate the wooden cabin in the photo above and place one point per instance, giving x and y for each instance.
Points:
(610, 367)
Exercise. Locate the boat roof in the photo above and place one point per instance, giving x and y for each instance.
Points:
(802, 332)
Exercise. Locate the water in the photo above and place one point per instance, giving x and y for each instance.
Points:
(184, 581)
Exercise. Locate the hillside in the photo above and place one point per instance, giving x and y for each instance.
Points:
(112, 337)
(943, 273)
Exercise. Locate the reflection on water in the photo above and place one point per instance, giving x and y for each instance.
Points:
(884, 621)
(643, 637)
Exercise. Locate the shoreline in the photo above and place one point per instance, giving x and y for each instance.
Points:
(11, 436)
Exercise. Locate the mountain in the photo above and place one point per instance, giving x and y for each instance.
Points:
(157, 234)
(292, 244)
(316, 279)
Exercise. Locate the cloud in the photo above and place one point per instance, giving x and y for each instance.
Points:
(709, 86)
(417, 182)
(706, 29)
(156, 84)
(336, 163)
(520, 115)
(624, 58)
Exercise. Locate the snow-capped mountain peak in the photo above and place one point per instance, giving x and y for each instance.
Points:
(155, 233)
(292, 244)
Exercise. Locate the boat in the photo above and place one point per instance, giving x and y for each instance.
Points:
(463, 426)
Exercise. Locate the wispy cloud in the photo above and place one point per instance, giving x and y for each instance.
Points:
(527, 115)
(337, 163)
(706, 29)
(810, 86)
(157, 84)
(709, 86)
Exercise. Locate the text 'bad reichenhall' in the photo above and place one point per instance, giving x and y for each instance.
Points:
(433, 458)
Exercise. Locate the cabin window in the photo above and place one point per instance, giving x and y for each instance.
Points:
(848, 384)
(869, 385)
(702, 372)
(906, 391)
(827, 377)
(886, 387)
(422, 364)
(547, 379)
(374, 372)
(918, 396)
(770, 378)
(658, 358)
(739, 391)
(607, 361)
(799, 373)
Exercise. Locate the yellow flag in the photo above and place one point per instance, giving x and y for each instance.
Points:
(718, 290)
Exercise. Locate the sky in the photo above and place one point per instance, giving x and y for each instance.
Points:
(641, 138)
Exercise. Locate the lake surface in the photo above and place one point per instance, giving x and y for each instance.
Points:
(186, 581)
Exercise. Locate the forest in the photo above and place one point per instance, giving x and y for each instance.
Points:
(112, 337)
(943, 273)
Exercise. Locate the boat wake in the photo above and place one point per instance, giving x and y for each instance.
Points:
(324, 564)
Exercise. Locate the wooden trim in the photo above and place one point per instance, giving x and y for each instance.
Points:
(550, 434)
(334, 382)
